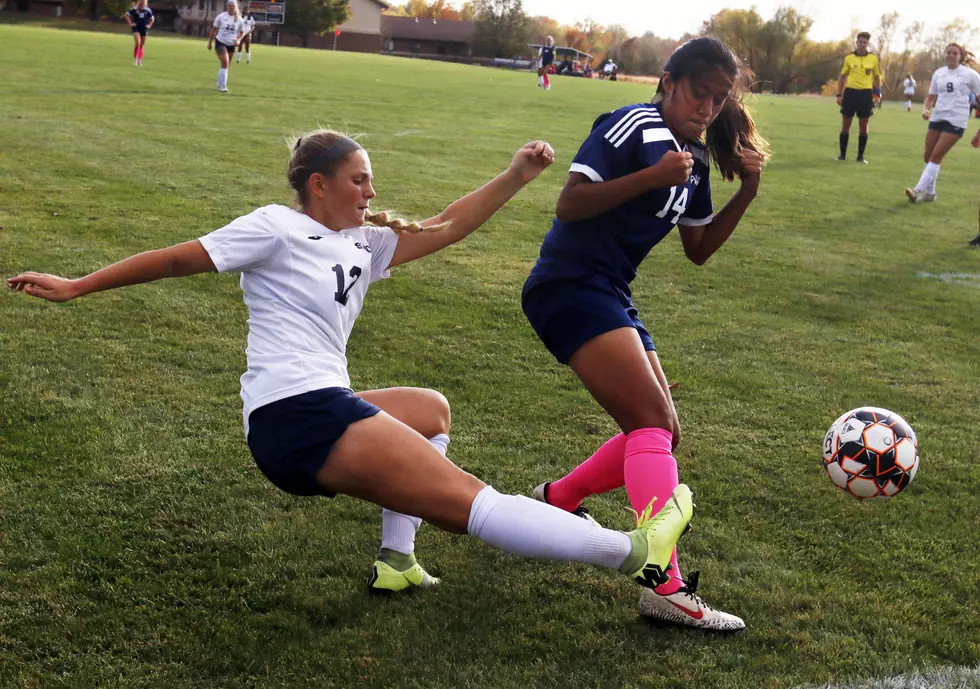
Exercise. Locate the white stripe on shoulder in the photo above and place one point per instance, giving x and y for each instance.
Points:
(695, 222)
(587, 171)
(654, 134)
(628, 119)
(621, 139)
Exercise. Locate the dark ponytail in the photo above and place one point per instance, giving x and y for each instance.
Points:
(733, 131)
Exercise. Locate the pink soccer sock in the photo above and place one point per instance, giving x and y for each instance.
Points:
(600, 473)
(139, 55)
(547, 82)
(136, 51)
(650, 474)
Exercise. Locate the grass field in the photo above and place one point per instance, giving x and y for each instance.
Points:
(139, 546)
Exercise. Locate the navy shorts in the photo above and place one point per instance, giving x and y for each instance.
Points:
(219, 47)
(141, 30)
(291, 438)
(946, 128)
(568, 313)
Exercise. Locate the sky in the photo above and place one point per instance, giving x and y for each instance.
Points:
(833, 19)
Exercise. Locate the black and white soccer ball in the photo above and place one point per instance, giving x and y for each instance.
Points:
(871, 453)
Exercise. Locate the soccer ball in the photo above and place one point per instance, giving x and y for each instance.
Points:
(871, 453)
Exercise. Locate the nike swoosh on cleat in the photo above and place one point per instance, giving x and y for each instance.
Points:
(693, 615)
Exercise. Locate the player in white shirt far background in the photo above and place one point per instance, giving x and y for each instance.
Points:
(909, 90)
(304, 275)
(226, 33)
(948, 111)
(245, 44)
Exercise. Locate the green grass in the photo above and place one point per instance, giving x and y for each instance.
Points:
(139, 546)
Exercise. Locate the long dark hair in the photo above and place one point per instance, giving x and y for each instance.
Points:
(733, 130)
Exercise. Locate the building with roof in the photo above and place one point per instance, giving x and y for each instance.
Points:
(436, 38)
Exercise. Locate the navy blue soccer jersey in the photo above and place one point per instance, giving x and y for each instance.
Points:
(141, 17)
(547, 54)
(615, 243)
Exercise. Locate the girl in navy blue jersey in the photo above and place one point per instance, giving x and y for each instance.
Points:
(140, 18)
(546, 58)
(641, 171)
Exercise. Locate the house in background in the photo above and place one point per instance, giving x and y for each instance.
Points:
(432, 38)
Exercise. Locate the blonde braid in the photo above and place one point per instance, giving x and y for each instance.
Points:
(385, 219)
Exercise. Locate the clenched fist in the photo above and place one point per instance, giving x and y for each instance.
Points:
(673, 169)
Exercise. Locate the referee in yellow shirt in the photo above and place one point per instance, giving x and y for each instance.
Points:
(861, 75)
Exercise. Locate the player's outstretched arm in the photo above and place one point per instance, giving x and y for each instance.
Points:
(927, 106)
(188, 258)
(474, 209)
(700, 242)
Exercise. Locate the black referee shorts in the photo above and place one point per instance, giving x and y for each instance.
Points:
(858, 102)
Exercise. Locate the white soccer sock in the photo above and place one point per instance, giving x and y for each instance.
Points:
(908, 105)
(248, 57)
(933, 170)
(239, 58)
(529, 528)
(398, 530)
(223, 78)
(927, 182)
(540, 81)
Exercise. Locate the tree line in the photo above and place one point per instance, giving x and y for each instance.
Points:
(778, 52)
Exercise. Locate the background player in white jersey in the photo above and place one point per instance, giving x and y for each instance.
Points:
(908, 87)
(546, 58)
(140, 18)
(245, 44)
(226, 33)
(949, 92)
(304, 276)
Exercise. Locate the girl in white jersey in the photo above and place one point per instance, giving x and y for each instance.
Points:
(949, 92)
(245, 44)
(304, 276)
(909, 90)
(226, 34)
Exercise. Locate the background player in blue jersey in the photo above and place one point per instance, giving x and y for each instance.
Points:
(140, 18)
(546, 58)
(642, 170)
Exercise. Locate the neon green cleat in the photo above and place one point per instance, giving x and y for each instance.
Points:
(662, 531)
(384, 577)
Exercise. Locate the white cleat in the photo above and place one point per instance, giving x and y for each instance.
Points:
(916, 196)
(686, 608)
(539, 494)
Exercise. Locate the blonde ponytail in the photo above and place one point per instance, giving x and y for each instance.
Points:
(385, 219)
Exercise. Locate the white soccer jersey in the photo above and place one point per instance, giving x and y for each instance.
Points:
(910, 87)
(248, 24)
(952, 88)
(304, 286)
(228, 28)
